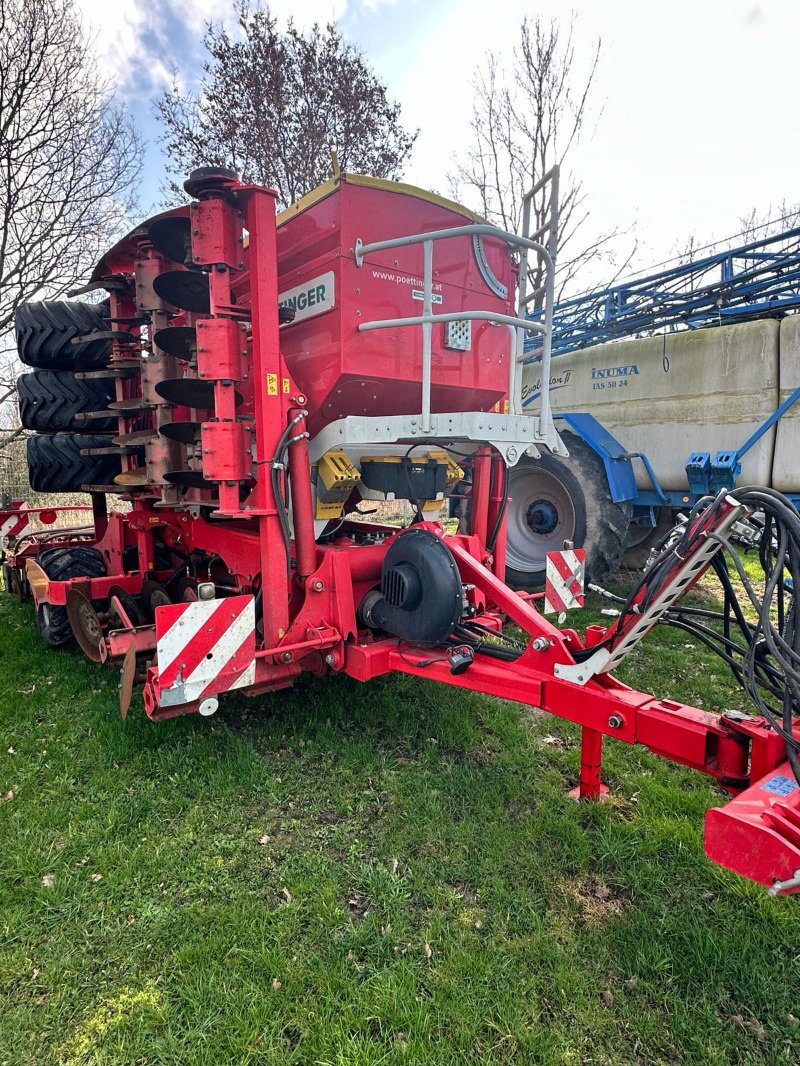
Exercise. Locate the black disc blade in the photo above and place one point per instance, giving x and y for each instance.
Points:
(127, 603)
(190, 479)
(172, 237)
(180, 341)
(189, 392)
(187, 289)
(183, 432)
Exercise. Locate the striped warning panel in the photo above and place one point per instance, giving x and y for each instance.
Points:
(205, 647)
(564, 577)
(12, 523)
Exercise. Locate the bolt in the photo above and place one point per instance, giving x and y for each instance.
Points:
(616, 721)
(540, 643)
(318, 586)
(330, 658)
(287, 657)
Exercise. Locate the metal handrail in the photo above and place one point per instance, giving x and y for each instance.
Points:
(553, 176)
(517, 325)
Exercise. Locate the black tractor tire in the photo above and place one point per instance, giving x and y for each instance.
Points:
(51, 400)
(553, 499)
(642, 540)
(45, 330)
(63, 564)
(55, 463)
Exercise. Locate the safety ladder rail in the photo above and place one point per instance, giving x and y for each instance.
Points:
(690, 569)
(516, 324)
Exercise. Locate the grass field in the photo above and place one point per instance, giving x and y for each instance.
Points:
(353, 875)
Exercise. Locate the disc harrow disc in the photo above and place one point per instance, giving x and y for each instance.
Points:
(128, 605)
(179, 341)
(186, 591)
(134, 479)
(139, 436)
(189, 392)
(14, 583)
(172, 237)
(183, 432)
(127, 680)
(136, 403)
(187, 479)
(85, 623)
(153, 595)
(187, 289)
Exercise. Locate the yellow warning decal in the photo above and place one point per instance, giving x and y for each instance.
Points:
(272, 384)
(286, 386)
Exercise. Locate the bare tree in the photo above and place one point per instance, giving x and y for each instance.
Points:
(274, 105)
(756, 225)
(69, 161)
(527, 118)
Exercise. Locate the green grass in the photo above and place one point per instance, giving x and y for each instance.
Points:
(380, 874)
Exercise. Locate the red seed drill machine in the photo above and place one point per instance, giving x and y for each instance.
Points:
(266, 380)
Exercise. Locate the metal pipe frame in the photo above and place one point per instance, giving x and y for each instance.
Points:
(553, 176)
(518, 325)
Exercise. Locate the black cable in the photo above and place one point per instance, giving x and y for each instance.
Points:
(478, 643)
(492, 539)
(487, 631)
(404, 463)
(763, 650)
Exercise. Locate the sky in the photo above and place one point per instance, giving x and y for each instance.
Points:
(696, 118)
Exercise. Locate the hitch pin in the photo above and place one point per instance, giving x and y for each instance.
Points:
(781, 886)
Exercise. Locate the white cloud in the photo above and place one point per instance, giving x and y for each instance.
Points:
(116, 30)
(125, 32)
(698, 127)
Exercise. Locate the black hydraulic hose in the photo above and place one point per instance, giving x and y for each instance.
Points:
(766, 658)
(492, 540)
(276, 467)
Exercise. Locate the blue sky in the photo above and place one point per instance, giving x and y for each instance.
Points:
(699, 123)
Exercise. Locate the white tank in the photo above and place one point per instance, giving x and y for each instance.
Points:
(786, 466)
(700, 390)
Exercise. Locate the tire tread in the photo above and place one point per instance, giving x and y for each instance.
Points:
(55, 463)
(45, 330)
(50, 400)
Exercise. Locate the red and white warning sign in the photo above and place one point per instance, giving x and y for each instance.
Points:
(205, 647)
(12, 523)
(564, 577)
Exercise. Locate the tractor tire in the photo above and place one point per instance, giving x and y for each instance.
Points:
(55, 463)
(62, 564)
(45, 330)
(51, 400)
(553, 499)
(643, 539)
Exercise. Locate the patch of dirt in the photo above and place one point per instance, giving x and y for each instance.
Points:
(597, 900)
(550, 740)
(358, 906)
(330, 817)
